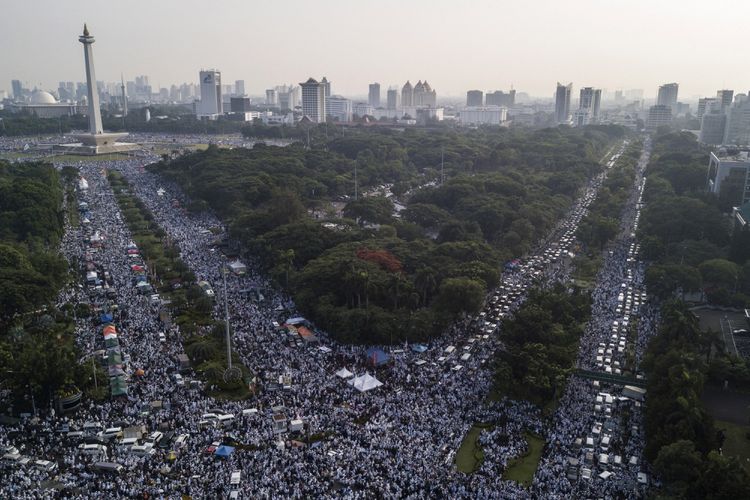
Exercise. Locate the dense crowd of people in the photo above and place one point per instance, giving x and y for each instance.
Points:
(398, 440)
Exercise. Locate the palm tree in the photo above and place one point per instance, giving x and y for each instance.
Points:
(425, 281)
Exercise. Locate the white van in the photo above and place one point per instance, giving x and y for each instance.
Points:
(142, 450)
(155, 437)
(126, 443)
(180, 441)
(110, 433)
(226, 420)
(45, 465)
(92, 449)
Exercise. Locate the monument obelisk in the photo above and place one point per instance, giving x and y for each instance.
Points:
(96, 141)
(95, 115)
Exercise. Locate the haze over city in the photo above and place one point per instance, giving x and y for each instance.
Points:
(455, 45)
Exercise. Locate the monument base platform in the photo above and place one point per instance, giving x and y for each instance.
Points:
(78, 148)
(97, 144)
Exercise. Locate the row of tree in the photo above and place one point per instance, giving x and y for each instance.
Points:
(31, 225)
(38, 356)
(355, 265)
(682, 442)
(685, 232)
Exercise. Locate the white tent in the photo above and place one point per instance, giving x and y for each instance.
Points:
(365, 382)
(605, 474)
(344, 373)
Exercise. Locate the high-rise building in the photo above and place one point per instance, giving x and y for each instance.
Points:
(424, 96)
(392, 98)
(288, 96)
(313, 100)
(737, 131)
(562, 102)
(725, 98)
(730, 175)
(211, 105)
(326, 87)
(272, 99)
(239, 87)
(667, 95)
(705, 104)
(374, 95)
(339, 108)
(474, 98)
(407, 95)
(591, 99)
(17, 87)
(658, 115)
(500, 98)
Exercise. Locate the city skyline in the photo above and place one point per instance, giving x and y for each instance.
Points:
(638, 45)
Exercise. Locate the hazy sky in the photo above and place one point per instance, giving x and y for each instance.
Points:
(456, 45)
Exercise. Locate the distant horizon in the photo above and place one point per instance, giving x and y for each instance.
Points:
(627, 45)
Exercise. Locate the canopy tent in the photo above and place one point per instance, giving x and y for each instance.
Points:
(224, 451)
(365, 382)
(344, 373)
(418, 347)
(306, 334)
(105, 318)
(238, 267)
(111, 341)
(108, 329)
(377, 357)
(298, 320)
(605, 474)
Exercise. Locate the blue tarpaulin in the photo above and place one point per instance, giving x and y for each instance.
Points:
(418, 347)
(296, 321)
(376, 356)
(105, 318)
(224, 451)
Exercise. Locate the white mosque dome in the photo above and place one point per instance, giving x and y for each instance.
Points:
(42, 97)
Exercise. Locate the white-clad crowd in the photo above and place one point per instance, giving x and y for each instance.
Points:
(398, 440)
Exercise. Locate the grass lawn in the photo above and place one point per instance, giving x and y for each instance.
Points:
(737, 443)
(470, 454)
(523, 468)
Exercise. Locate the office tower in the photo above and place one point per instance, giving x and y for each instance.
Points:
(658, 116)
(211, 105)
(313, 100)
(591, 100)
(424, 96)
(562, 102)
(326, 87)
(667, 95)
(705, 104)
(272, 99)
(17, 89)
(239, 87)
(392, 98)
(737, 131)
(500, 98)
(474, 98)
(339, 108)
(239, 105)
(725, 98)
(407, 95)
(618, 96)
(374, 95)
